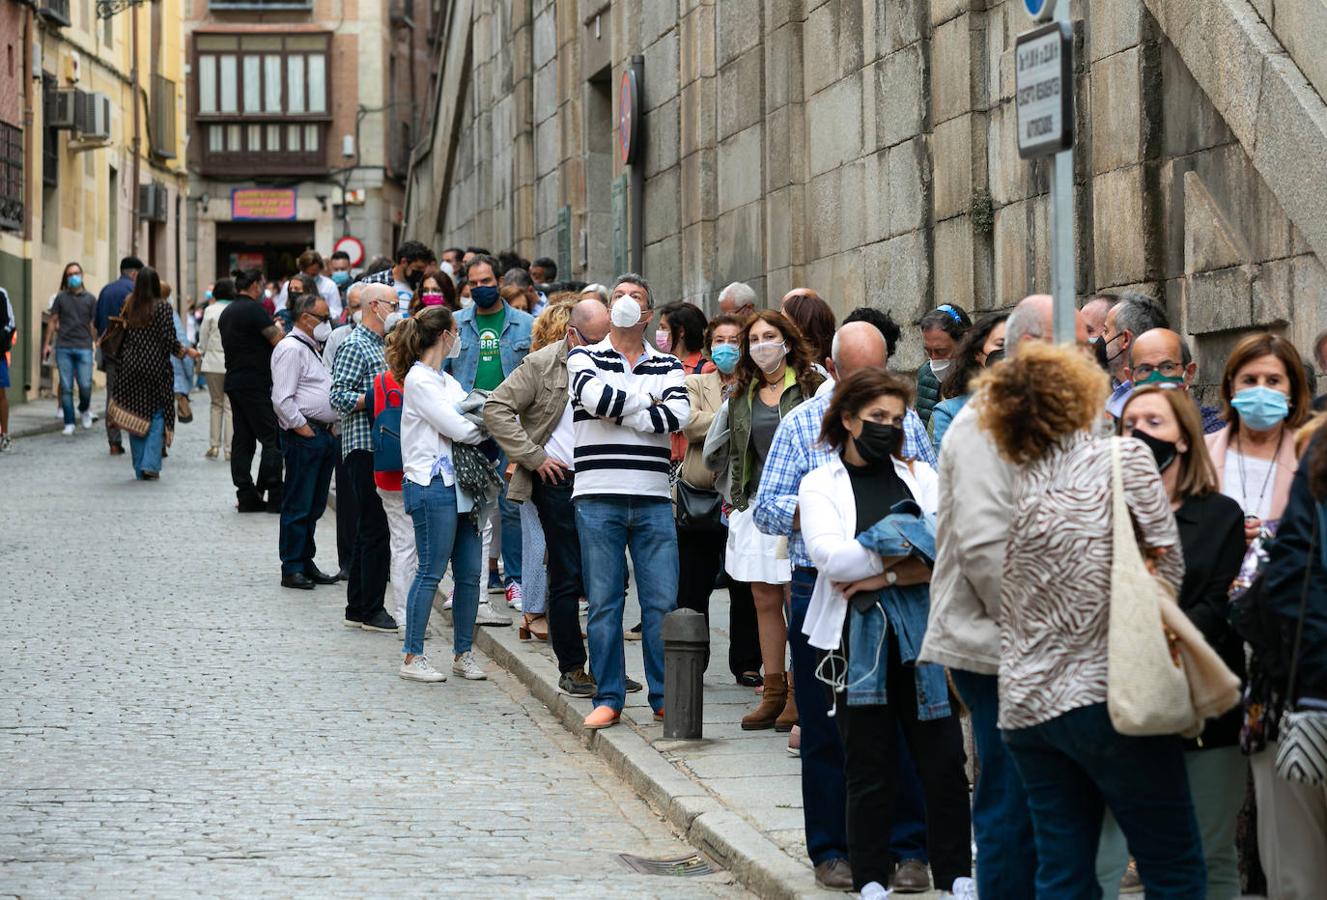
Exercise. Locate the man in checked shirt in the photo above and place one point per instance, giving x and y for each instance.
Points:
(300, 388)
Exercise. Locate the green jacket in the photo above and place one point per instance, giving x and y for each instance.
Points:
(740, 451)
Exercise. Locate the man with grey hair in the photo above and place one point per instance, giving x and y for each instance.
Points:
(530, 417)
(301, 387)
(737, 299)
(963, 634)
(1132, 314)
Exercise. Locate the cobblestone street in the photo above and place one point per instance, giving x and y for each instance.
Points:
(172, 722)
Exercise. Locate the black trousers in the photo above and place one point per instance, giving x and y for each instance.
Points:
(347, 511)
(308, 474)
(557, 516)
(700, 559)
(870, 735)
(371, 553)
(255, 422)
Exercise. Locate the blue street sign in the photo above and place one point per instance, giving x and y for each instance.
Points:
(1040, 10)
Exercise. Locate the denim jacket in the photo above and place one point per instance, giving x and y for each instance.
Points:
(513, 345)
(905, 531)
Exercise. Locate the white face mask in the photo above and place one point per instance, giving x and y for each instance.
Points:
(467, 302)
(358, 316)
(940, 366)
(768, 355)
(322, 331)
(626, 312)
(455, 349)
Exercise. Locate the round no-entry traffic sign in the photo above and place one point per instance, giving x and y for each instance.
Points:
(354, 247)
(628, 117)
(1040, 10)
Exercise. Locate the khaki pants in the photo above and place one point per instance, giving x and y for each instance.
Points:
(222, 428)
(1292, 832)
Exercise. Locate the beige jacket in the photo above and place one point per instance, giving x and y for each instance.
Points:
(1218, 444)
(705, 393)
(523, 411)
(972, 526)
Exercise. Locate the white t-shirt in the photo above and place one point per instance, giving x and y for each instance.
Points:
(562, 442)
(1249, 482)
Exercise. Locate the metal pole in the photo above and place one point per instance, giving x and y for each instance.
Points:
(1062, 230)
(638, 173)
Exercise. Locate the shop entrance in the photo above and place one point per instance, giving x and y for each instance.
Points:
(270, 246)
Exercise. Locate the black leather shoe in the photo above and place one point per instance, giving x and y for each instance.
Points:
(251, 503)
(381, 622)
(319, 577)
(298, 580)
(342, 574)
(274, 506)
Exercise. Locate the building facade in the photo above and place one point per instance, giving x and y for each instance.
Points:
(87, 174)
(302, 113)
(867, 148)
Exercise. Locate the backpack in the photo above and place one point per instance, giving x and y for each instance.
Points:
(385, 418)
(6, 319)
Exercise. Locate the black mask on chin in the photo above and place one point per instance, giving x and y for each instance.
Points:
(994, 357)
(877, 443)
(1164, 452)
(1099, 347)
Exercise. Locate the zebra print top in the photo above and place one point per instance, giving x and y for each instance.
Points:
(1055, 593)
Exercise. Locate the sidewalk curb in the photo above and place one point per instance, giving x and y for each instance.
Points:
(37, 430)
(754, 860)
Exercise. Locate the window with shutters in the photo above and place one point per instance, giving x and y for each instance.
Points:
(262, 103)
(11, 177)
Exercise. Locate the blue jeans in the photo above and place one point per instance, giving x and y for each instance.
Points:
(511, 530)
(608, 528)
(441, 534)
(1001, 819)
(74, 363)
(145, 452)
(824, 789)
(309, 465)
(1076, 765)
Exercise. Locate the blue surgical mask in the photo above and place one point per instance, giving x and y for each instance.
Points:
(1261, 408)
(485, 296)
(341, 278)
(725, 357)
(75, 281)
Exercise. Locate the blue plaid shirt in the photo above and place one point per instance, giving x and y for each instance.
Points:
(795, 451)
(358, 359)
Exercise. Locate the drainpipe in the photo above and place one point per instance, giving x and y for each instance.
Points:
(134, 227)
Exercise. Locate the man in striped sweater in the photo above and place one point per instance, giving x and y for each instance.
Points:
(626, 398)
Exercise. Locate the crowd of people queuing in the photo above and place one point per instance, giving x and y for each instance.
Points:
(899, 551)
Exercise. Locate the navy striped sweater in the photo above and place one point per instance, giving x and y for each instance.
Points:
(622, 418)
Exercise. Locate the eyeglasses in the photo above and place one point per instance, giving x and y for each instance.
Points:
(1168, 369)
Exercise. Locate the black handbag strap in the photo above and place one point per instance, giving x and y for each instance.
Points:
(1303, 610)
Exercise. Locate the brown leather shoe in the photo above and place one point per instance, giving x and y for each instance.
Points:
(911, 877)
(772, 701)
(788, 718)
(834, 874)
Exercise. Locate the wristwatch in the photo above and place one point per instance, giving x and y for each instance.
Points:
(891, 577)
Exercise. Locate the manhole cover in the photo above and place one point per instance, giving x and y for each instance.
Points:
(685, 865)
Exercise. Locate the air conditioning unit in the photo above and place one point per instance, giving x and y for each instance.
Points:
(62, 108)
(152, 202)
(94, 124)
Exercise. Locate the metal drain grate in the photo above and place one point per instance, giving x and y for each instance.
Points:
(685, 866)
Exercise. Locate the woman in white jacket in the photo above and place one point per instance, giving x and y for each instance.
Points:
(878, 687)
(213, 367)
(430, 424)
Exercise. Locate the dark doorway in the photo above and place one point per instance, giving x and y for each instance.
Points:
(273, 247)
(599, 177)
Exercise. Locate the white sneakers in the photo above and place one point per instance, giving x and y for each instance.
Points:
(487, 615)
(87, 419)
(875, 891)
(963, 889)
(465, 666)
(420, 669)
(515, 598)
(69, 429)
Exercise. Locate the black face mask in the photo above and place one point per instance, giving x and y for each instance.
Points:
(994, 357)
(1099, 349)
(877, 443)
(414, 279)
(1164, 452)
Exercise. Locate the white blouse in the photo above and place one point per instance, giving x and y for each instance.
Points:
(429, 425)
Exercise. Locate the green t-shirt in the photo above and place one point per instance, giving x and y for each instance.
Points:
(489, 374)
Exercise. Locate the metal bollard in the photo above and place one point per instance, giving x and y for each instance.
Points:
(685, 640)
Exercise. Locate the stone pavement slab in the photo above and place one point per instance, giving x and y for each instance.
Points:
(174, 723)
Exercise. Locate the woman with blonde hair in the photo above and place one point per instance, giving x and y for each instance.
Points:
(1040, 409)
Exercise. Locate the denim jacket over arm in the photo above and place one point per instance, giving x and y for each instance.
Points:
(904, 532)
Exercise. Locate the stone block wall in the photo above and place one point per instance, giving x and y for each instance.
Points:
(867, 148)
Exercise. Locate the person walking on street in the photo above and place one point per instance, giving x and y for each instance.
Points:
(221, 427)
(627, 398)
(109, 303)
(182, 369)
(8, 328)
(70, 335)
(358, 360)
(531, 417)
(301, 386)
(442, 512)
(248, 335)
(143, 399)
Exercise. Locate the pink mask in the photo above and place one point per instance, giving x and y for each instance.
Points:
(432, 299)
(663, 340)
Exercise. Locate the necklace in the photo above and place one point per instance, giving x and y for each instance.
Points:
(1243, 486)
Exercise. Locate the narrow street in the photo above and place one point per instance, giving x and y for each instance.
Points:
(173, 722)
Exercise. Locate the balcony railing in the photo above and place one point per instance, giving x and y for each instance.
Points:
(56, 12)
(241, 146)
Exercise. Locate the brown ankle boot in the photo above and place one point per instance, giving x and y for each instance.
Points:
(772, 701)
(788, 718)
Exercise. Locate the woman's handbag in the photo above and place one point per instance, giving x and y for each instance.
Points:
(1301, 754)
(113, 339)
(1162, 675)
(698, 509)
